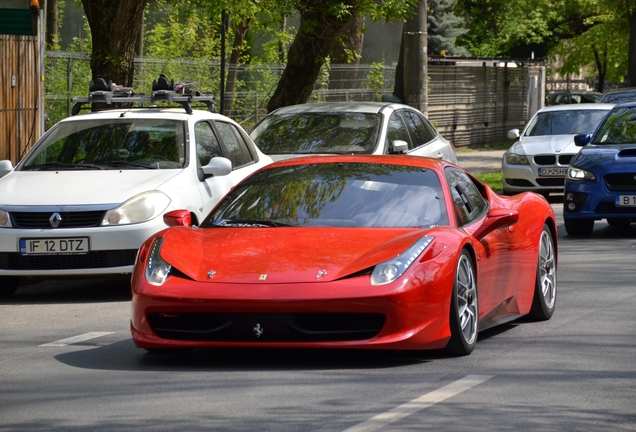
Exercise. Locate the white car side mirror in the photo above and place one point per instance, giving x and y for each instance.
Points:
(6, 166)
(218, 166)
(399, 146)
(513, 134)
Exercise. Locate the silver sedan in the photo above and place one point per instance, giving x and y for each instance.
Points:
(350, 128)
(539, 159)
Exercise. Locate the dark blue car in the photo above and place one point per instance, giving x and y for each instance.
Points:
(601, 179)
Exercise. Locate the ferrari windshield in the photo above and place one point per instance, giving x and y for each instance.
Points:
(110, 144)
(329, 132)
(569, 122)
(618, 128)
(335, 194)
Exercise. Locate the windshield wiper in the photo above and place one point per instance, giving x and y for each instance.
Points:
(240, 223)
(130, 164)
(55, 165)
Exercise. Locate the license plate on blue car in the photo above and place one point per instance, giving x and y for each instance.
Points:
(626, 201)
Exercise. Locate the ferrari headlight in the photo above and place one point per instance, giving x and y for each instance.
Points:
(157, 270)
(140, 208)
(5, 220)
(575, 173)
(516, 159)
(392, 269)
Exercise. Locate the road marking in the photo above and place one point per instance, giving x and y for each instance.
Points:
(76, 339)
(380, 421)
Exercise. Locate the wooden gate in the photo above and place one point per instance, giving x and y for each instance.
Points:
(21, 94)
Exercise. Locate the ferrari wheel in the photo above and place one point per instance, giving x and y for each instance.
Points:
(464, 309)
(579, 227)
(544, 300)
(8, 285)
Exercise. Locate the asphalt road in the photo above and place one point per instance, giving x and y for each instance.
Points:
(67, 363)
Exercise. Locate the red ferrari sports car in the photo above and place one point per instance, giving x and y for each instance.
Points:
(379, 252)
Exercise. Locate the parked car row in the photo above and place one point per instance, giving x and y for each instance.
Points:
(96, 186)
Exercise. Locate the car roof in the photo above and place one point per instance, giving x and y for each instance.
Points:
(360, 107)
(578, 107)
(147, 113)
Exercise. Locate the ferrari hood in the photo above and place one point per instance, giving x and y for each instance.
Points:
(281, 255)
(60, 188)
(550, 144)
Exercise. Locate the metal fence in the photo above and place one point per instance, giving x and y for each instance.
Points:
(471, 102)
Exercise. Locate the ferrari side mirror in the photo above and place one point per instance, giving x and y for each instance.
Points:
(178, 218)
(496, 218)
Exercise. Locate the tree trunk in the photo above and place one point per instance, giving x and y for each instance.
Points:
(345, 76)
(235, 56)
(307, 54)
(52, 25)
(115, 26)
(601, 68)
(631, 56)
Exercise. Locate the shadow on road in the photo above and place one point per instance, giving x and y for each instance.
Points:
(95, 289)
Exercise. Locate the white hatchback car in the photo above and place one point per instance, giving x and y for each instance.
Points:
(539, 159)
(95, 186)
(349, 128)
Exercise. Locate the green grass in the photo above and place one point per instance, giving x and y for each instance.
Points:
(493, 146)
(492, 179)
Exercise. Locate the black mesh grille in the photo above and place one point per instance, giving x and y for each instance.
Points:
(95, 259)
(545, 159)
(80, 219)
(606, 207)
(621, 181)
(551, 181)
(248, 327)
(565, 159)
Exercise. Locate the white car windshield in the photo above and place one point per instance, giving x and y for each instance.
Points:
(569, 122)
(330, 132)
(110, 144)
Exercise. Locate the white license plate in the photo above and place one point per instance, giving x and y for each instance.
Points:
(553, 172)
(54, 246)
(626, 201)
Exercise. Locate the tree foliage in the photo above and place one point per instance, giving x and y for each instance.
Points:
(444, 27)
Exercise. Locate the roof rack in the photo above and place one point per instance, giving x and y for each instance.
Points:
(163, 90)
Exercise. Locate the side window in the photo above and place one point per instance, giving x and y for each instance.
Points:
(468, 202)
(418, 128)
(397, 130)
(207, 143)
(238, 152)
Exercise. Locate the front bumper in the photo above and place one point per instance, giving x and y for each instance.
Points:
(592, 200)
(112, 250)
(340, 314)
(523, 178)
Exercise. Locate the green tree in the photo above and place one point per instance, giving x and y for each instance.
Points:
(321, 23)
(444, 27)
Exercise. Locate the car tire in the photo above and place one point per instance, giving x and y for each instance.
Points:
(545, 290)
(8, 285)
(619, 222)
(579, 227)
(464, 309)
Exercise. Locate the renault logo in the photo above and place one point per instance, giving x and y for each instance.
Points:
(55, 220)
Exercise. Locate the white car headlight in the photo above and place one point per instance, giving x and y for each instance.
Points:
(516, 159)
(575, 173)
(392, 269)
(5, 220)
(157, 270)
(140, 208)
